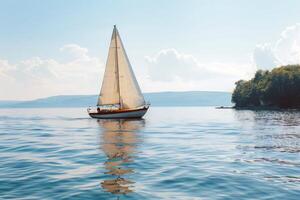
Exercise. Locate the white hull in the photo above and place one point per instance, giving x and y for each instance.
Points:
(121, 115)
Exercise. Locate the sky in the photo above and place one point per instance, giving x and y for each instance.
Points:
(59, 47)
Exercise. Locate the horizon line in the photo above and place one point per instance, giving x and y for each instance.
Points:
(181, 91)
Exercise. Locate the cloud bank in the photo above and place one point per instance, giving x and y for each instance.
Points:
(37, 77)
(166, 70)
(170, 69)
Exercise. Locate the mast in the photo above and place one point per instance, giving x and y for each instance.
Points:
(117, 67)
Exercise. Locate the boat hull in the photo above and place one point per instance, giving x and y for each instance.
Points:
(119, 114)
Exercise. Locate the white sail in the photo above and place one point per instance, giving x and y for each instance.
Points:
(119, 85)
(130, 92)
(110, 85)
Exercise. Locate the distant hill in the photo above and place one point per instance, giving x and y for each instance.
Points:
(193, 98)
(8, 103)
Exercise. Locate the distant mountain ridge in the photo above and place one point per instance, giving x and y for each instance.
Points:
(190, 98)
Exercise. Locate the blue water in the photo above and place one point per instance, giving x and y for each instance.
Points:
(175, 153)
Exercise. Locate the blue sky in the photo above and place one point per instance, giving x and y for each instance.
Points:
(194, 39)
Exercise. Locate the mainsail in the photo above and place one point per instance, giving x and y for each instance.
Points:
(119, 84)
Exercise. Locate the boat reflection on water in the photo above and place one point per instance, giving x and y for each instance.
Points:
(118, 142)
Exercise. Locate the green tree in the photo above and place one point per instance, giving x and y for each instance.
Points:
(277, 88)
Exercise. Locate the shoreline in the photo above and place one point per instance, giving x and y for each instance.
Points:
(258, 108)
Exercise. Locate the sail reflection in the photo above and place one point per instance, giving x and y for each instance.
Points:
(119, 140)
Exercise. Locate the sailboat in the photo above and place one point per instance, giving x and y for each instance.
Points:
(120, 95)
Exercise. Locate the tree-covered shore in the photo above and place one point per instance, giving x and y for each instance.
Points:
(278, 88)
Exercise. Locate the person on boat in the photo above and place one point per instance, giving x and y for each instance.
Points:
(98, 109)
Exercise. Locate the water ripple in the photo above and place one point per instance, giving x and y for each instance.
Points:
(175, 153)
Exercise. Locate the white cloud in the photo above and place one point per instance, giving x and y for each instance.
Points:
(4, 67)
(169, 64)
(170, 69)
(286, 50)
(37, 77)
(76, 51)
(264, 57)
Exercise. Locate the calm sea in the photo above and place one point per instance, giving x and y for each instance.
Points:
(174, 153)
